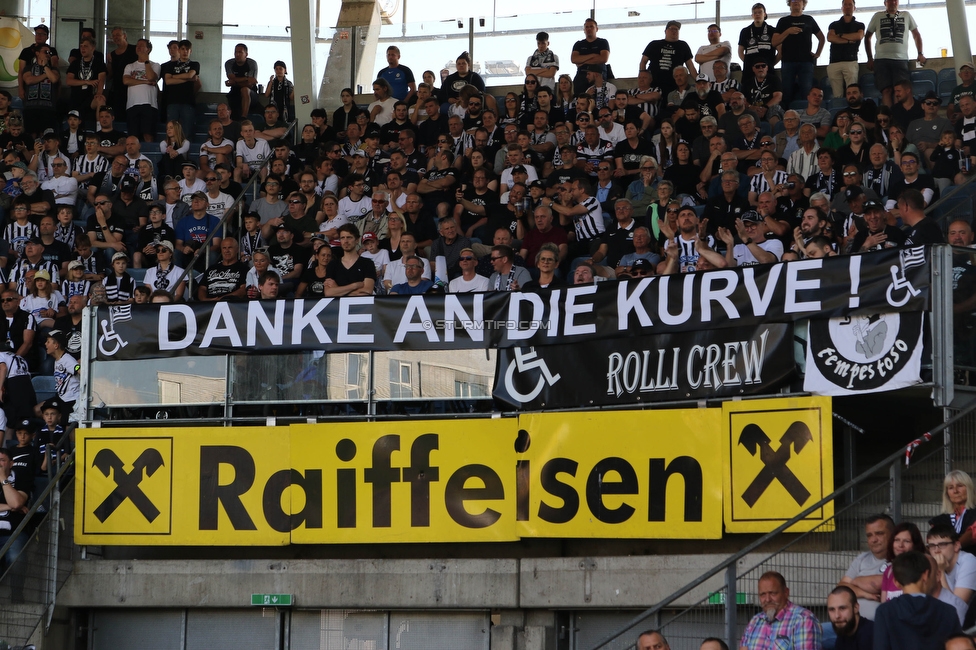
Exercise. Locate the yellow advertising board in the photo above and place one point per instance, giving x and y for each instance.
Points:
(779, 461)
(626, 474)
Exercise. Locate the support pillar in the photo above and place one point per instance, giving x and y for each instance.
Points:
(205, 29)
(353, 51)
(958, 34)
(303, 21)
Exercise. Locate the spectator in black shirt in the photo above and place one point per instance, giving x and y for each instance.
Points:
(662, 56)
(922, 230)
(794, 34)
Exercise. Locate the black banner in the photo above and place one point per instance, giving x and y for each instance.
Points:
(883, 281)
(633, 370)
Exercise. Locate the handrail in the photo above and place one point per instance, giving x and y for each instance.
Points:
(38, 502)
(950, 193)
(896, 456)
(233, 209)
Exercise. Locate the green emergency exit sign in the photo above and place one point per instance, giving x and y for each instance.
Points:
(271, 600)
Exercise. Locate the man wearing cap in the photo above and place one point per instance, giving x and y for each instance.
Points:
(415, 284)
(926, 131)
(31, 261)
(226, 280)
(27, 55)
(662, 56)
(193, 230)
(131, 211)
(764, 93)
(45, 152)
(876, 234)
(716, 50)
(709, 101)
(151, 235)
(967, 88)
(755, 248)
(190, 183)
(286, 257)
(63, 186)
(589, 51)
(86, 78)
(889, 61)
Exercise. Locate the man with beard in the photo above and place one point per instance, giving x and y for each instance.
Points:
(862, 110)
(811, 226)
(853, 632)
(780, 620)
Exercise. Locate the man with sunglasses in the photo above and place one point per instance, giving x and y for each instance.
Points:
(851, 177)
(764, 93)
(926, 131)
(219, 202)
(755, 248)
(469, 281)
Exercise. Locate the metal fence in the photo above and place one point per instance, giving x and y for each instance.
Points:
(812, 562)
(29, 586)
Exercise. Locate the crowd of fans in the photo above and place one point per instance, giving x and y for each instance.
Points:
(905, 592)
(439, 186)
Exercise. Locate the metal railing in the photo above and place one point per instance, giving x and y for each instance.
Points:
(956, 201)
(236, 209)
(812, 562)
(31, 583)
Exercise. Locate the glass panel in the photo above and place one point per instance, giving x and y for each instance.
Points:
(181, 380)
(307, 376)
(338, 629)
(446, 374)
(964, 313)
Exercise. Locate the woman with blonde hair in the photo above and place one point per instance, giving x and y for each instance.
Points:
(958, 501)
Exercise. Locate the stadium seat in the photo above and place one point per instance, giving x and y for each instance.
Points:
(779, 127)
(837, 103)
(922, 87)
(925, 75)
(947, 82)
(827, 89)
(44, 387)
(139, 275)
(798, 104)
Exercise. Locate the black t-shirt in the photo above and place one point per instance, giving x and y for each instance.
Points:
(499, 216)
(620, 242)
(10, 141)
(632, 155)
(867, 111)
(130, 214)
(846, 51)
(110, 138)
(895, 239)
(925, 231)
(23, 482)
(664, 57)
(119, 61)
(757, 43)
(315, 285)
(488, 199)
(560, 175)
(585, 47)
(283, 260)
(222, 280)
(181, 93)
(82, 96)
(423, 230)
(798, 48)
(759, 92)
(149, 235)
(57, 252)
(922, 182)
(361, 269)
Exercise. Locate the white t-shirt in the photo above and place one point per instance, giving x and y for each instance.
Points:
(186, 191)
(254, 156)
(140, 94)
(706, 68)
(380, 258)
(386, 112)
(354, 210)
(396, 274)
(460, 285)
(744, 257)
(219, 204)
(964, 573)
(167, 282)
(208, 145)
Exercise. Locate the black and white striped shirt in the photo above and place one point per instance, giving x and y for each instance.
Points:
(722, 87)
(589, 225)
(17, 235)
(759, 184)
(86, 166)
(19, 273)
(648, 107)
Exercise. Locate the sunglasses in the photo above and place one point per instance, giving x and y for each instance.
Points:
(466, 258)
(529, 82)
(9, 300)
(931, 103)
(673, 211)
(765, 144)
(295, 201)
(849, 174)
(853, 132)
(96, 203)
(495, 259)
(213, 179)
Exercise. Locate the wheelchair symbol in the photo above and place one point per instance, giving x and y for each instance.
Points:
(528, 360)
(899, 283)
(109, 335)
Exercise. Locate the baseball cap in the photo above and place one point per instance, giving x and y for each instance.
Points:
(76, 264)
(21, 165)
(853, 192)
(74, 114)
(591, 67)
(165, 243)
(52, 404)
(967, 65)
(537, 183)
(128, 184)
(640, 263)
(49, 134)
(872, 205)
(470, 250)
(932, 95)
(42, 26)
(189, 163)
(701, 77)
(27, 424)
(120, 256)
(369, 236)
(199, 195)
(750, 215)
(36, 240)
(519, 169)
(42, 275)
(59, 336)
(672, 23)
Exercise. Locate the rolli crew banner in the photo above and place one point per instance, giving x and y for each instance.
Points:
(883, 281)
(688, 365)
